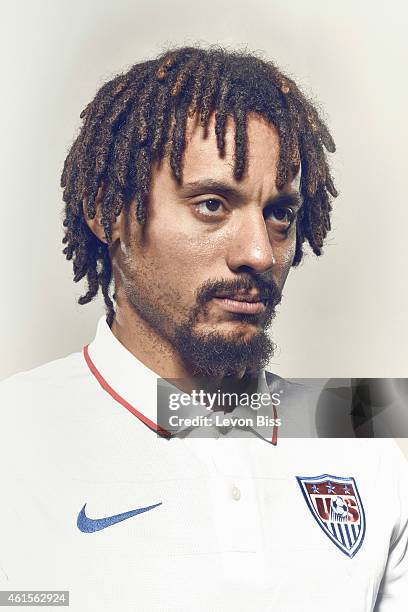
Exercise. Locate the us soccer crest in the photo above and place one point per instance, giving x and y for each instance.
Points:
(337, 508)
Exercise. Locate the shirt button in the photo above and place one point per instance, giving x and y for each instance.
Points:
(236, 494)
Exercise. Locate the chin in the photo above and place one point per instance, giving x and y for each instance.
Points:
(223, 348)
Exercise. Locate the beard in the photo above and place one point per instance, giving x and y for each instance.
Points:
(214, 354)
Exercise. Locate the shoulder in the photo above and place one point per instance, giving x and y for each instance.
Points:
(45, 393)
(51, 376)
(393, 461)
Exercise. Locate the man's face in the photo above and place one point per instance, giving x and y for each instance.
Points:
(207, 270)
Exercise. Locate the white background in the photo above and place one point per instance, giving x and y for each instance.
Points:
(344, 314)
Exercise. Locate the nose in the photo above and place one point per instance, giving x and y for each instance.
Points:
(250, 246)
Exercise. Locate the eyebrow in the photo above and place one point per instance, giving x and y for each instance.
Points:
(188, 190)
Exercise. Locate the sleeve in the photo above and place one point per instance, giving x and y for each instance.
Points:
(393, 591)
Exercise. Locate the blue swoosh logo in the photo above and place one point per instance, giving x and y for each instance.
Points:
(88, 525)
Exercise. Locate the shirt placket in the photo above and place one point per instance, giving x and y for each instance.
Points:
(234, 504)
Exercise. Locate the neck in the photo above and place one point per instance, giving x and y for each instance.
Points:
(152, 349)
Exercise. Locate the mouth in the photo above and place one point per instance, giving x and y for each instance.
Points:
(243, 296)
(242, 303)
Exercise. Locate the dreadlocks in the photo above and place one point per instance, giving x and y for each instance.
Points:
(140, 116)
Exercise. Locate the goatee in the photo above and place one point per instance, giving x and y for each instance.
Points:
(214, 354)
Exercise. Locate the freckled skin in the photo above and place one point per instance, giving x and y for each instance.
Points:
(158, 271)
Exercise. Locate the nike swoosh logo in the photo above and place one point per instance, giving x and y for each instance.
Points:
(89, 525)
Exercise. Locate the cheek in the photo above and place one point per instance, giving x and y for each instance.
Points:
(182, 247)
(180, 260)
(289, 253)
(284, 254)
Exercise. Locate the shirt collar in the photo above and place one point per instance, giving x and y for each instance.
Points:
(134, 385)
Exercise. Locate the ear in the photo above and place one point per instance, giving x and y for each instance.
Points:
(95, 224)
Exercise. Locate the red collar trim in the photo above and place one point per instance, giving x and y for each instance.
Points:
(145, 420)
(275, 427)
(106, 386)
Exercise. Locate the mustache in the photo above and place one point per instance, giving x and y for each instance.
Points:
(264, 284)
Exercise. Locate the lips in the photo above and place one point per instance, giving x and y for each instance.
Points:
(241, 304)
(243, 297)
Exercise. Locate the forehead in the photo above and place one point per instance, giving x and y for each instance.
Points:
(202, 158)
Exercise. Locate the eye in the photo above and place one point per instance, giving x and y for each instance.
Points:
(209, 208)
(283, 215)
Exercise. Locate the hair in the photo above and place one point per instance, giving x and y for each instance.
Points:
(140, 116)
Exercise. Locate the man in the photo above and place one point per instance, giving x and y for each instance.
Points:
(193, 184)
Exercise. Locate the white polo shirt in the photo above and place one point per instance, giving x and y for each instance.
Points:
(95, 502)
